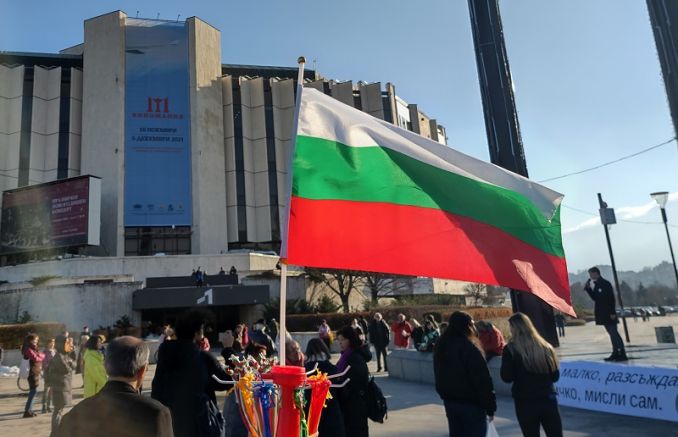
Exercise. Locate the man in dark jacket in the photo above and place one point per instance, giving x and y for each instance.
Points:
(118, 409)
(602, 294)
(258, 335)
(379, 337)
(183, 380)
(58, 377)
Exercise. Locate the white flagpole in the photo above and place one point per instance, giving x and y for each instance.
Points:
(283, 310)
(283, 251)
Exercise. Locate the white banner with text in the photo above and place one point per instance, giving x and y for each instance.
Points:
(650, 392)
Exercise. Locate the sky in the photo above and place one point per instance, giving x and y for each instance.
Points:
(586, 75)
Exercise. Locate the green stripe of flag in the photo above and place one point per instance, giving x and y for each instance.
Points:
(325, 169)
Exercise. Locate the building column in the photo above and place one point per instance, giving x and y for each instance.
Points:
(210, 233)
(11, 96)
(283, 115)
(229, 158)
(255, 158)
(103, 127)
(44, 152)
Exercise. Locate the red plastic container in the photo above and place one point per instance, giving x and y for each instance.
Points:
(288, 378)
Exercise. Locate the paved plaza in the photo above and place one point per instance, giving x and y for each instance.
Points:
(416, 410)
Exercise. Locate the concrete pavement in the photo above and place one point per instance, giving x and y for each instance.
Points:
(416, 410)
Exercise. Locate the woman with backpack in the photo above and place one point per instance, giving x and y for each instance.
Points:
(31, 353)
(531, 364)
(462, 378)
(353, 397)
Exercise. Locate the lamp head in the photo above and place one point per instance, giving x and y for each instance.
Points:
(661, 197)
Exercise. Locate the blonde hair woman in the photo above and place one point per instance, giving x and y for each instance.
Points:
(531, 364)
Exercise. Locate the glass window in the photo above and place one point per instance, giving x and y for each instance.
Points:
(64, 123)
(239, 163)
(272, 174)
(26, 122)
(150, 241)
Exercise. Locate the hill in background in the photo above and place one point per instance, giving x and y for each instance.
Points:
(662, 274)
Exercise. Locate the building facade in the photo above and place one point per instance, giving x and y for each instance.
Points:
(86, 110)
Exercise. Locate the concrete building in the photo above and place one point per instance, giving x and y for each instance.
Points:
(68, 114)
(192, 153)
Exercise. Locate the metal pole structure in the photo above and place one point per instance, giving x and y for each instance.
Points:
(503, 130)
(668, 237)
(603, 209)
(663, 17)
(282, 335)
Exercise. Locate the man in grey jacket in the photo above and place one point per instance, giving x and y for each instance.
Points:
(119, 409)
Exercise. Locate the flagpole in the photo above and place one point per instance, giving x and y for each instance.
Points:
(283, 316)
(283, 252)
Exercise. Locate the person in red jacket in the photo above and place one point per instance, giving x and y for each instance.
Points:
(491, 338)
(35, 357)
(402, 331)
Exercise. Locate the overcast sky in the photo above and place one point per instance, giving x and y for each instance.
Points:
(587, 80)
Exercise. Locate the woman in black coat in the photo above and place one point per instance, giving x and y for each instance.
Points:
(331, 420)
(462, 378)
(183, 379)
(353, 397)
(59, 378)
(531, 364)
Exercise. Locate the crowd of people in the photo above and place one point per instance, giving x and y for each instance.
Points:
(183, 392)
(55, 363)
(463, 380)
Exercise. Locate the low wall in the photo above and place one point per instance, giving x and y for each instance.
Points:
(139, 267)
(415, 366)
(75, 305)
(304, 337)
(11, 357)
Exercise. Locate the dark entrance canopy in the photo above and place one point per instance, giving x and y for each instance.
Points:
(207, 296)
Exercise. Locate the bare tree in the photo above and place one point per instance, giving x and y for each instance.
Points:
(496, 295)
(383, 285)
(476, 292)
(342, 282)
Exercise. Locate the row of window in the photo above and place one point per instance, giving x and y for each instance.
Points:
(146, 241)
(26, 125)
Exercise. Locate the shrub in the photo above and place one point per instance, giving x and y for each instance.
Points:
(25, 317)
(430, 299)
(310, 322)
(12, 336)
(326, 305)
(123, 322)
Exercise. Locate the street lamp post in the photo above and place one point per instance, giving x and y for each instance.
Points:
(608, 218)
(662, 197)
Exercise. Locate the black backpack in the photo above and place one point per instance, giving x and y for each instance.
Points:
(377, 410)
(209, 419)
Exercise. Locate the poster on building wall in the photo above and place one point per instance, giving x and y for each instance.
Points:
(64, 213)
(157, 124)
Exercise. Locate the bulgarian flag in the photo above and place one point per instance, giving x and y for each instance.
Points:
(368, 195)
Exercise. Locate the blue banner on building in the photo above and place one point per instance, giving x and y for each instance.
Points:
(157, 124)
